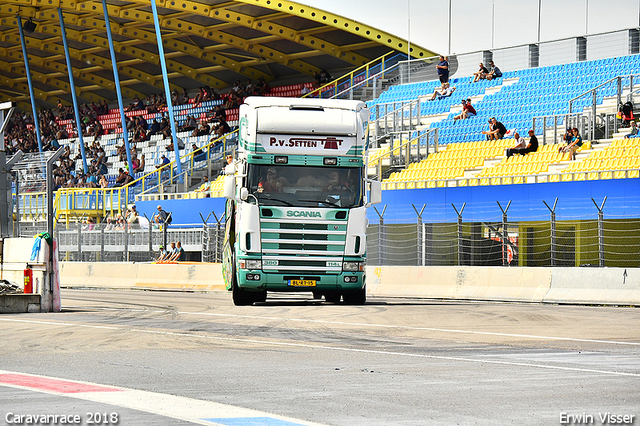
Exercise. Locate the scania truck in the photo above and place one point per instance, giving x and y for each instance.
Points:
(297, 197)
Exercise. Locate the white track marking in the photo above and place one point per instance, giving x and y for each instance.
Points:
(331, 348)
(177, 407)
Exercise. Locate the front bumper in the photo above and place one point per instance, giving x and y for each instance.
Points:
(280, 282)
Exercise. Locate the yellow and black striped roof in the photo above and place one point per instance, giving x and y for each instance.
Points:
(207, 42)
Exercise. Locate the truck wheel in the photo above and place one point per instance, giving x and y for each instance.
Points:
(260, 296)
(240, 297)
(357, 298)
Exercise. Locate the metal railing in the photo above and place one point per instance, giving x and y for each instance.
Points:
(77, 202)
(400, 155)
(361, 76)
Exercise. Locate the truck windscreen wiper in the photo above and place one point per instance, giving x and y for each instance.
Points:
(331, 203)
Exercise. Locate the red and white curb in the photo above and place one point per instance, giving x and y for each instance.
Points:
(192, 410)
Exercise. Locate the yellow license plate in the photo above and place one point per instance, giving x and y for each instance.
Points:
(302, 283)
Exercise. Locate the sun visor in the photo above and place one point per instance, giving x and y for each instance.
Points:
(306, 121)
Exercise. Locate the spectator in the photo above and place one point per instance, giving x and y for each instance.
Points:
(634, 131)
(202, 130)
(132, 216)
(317, 80)
(141, 165)
(573, 146)
(163, 161)
(443, 70)
(190, 124)
(104, 183)
(625, 113)
(162, 254)
(205, 185)
(109, 226)
(519, 144)
(467, 110)
(178, 253)
(496, 130)
(444, 91)
(494, 71)
(161, 216)
(221, 129)
(169, 252)
(325, 77)
(230, 167)
(481, 74)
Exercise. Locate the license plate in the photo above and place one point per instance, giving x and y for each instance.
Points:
(302, 283)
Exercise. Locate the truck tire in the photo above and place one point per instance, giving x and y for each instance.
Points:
(356, 298)
(240, 296)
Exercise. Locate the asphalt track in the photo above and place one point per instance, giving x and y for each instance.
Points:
(168, 358)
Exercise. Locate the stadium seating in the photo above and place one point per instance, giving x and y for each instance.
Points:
(515, 99)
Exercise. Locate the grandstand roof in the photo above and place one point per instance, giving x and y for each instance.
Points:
(206, 42)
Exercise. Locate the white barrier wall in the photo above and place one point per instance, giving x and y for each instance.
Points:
(617, 286)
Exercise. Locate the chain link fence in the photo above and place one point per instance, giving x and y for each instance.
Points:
(551, 238)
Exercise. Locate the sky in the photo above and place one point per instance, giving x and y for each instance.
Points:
(426, 22)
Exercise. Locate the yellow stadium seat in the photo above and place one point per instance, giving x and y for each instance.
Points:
(619, 174)
(473, 182)
(606, 175)
(633, 173)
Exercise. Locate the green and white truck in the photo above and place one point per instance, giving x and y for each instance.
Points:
(297, 197)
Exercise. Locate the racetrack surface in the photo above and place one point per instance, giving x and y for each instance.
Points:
(193, 358)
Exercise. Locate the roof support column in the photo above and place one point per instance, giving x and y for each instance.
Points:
(167, 89)
(116, 81)
(33, 97)
(76, 110)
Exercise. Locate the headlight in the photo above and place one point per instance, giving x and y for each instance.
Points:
(353, 266)
(250, 264)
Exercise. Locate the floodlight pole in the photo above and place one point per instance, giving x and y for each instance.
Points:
(167, 89)
(76, 110)
(28, 72)
(116, 81)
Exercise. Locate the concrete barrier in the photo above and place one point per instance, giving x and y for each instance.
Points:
(454, 282)
(615, 286)
(125, 275)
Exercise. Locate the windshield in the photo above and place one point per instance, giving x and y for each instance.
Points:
(305, 186)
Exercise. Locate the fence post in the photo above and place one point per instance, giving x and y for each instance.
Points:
(553, 231)
(600, 231)
(126, 242)
(459, 213)
(505, 234)
(79, 241)
(420, 240)
(382, 237)
(102, 226)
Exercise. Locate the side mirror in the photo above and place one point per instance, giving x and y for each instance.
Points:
(230, 187)
(375, 192)
(244, 193)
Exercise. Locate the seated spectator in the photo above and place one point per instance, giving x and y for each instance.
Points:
(325, 77)
(141, 165)
(444, 91)
(625, 113)
(189, 124)
(481, 74)
(496, 130)
(467, 110)
(233, 100)
(634, 131)
(136, 105)
(205, 185)
(573, 146)
(264, 86)
(180, 145)
(202, 130)
(121, 177)
(494, 71)
(519, 144)
(163, 162)
(104, 183)
(178, 253)
(135, 163)
(221, 129)
(317, 80)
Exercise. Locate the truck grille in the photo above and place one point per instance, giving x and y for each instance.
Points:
(290, 245)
